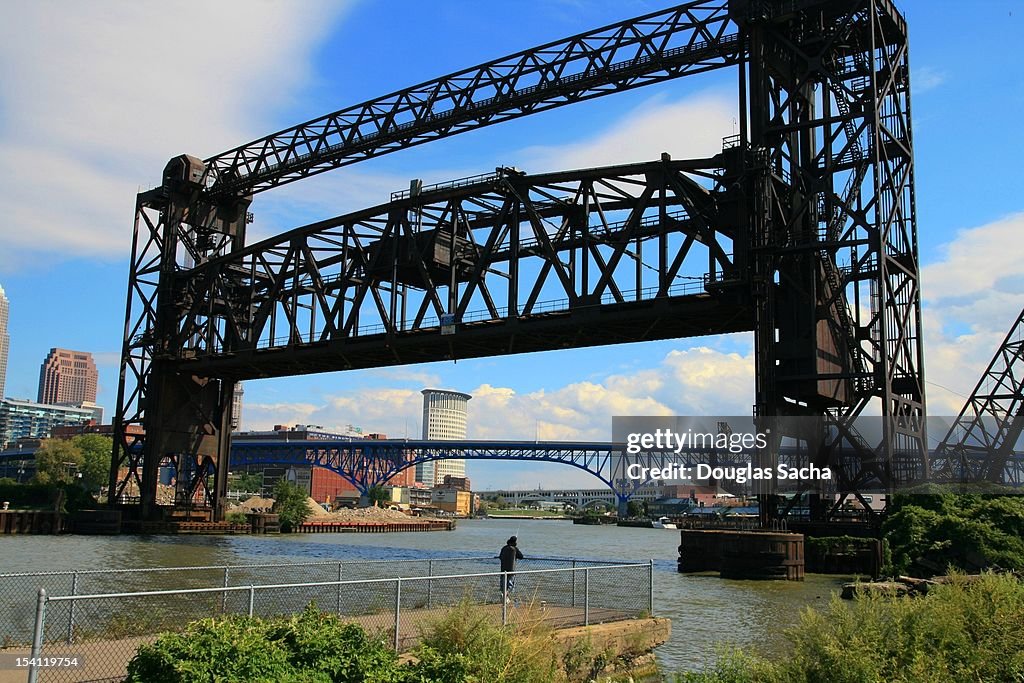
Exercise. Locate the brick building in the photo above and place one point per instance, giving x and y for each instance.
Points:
(68, 378)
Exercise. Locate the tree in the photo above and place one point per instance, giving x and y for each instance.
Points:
(57, 462)
(249, 482)
(95, 467)
(634, 509)
(290, 504)
(378, 494)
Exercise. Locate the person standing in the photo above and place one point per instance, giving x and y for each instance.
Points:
(508, 556)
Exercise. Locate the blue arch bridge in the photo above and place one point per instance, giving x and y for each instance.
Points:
(369, 463)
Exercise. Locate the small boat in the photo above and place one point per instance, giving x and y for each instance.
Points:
(663, 523)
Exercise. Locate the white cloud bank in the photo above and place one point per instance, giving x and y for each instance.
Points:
(696, 381)
(97, 96)
(971, 297)
(690, 128)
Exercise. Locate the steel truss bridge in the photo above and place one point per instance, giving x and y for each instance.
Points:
(369, 463)
(802, 230)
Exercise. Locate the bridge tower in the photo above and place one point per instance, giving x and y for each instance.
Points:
(825, 98)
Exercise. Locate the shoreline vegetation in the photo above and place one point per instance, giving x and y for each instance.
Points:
(465, 645)
(964, 630)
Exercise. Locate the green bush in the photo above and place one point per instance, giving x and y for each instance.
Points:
(467, 646)
(227, 650)
(46, 496)
(236, 517)
(961, 632)
(312, 647)
(321, 642)
(929, 534)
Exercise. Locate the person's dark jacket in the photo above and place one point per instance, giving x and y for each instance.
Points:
(508, 556)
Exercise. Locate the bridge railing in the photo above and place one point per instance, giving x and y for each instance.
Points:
(102, 631)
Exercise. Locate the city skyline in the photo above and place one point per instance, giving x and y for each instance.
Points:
(316, 62)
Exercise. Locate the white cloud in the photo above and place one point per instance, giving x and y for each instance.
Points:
(687, 129)
(258, 416)
(972, 295)
(977, 261)
(696, 381)
(926, 78)
(98, 96)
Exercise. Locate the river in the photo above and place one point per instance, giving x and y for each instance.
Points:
(705, 611)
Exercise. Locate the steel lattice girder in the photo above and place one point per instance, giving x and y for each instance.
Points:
(686, 39)
(370, 463)
(980, 442)
(518, 263)
(835, 234)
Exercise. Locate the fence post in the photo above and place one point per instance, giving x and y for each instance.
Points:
(398, 608)
(430, 581)
(504, 598)
(71, 608)
(37, 636)
(574, 582)
(341, 567)
(252, 599)
(224, 595)
(586, 596)
(650, 597)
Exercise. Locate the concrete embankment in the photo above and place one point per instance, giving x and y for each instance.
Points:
(622, 648)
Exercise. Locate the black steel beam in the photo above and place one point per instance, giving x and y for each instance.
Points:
(686, 39)
(671, 318)
(980, 443)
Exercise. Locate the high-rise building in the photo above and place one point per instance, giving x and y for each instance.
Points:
(444, 418)
(5, 339)
(68, 377)
(27, 420)
(236, 407)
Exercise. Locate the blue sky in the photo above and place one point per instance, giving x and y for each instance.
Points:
(95, 97)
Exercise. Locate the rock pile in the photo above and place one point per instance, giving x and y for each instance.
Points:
(370, 514)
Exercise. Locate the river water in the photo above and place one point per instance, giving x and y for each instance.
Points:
(706, 611)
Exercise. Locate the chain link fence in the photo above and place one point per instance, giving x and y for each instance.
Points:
(90, 618)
